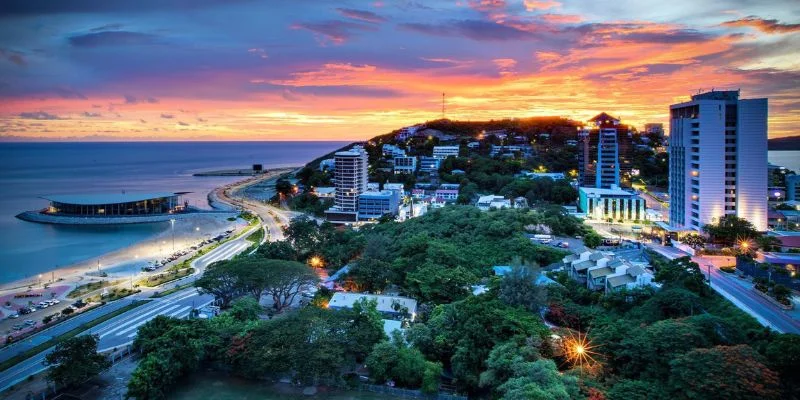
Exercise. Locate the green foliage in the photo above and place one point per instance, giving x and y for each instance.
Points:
(592, 240)
(404, 365)
(730, 230)
(783, 356)
(309, 203)
(75, 360)
(519, 288)
(461, 334)
(723, 372)
(277, 250)
(245, 309)
(627, 389)
(540, 380)
(505, 359)
(284, 187)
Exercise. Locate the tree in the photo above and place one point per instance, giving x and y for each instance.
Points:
(439, 284)
(646, 353)
(694, 240)
(723, 372)
(540, 380)
(277, 250)
(519, 288)
(592, 240)
(284, 280)
(406, 366)
(221, 281)
(783, 355)
(284, 187)
(75, 360)
(627, 389)
(730, 230)
(505, 359)
(246, 309)
(304, 234)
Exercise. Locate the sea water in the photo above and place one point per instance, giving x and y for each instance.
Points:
(31, 170)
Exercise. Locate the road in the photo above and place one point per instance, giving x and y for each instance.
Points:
(739, 292)
(121, 330)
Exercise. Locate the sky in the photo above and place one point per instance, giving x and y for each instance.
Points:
(350, 70)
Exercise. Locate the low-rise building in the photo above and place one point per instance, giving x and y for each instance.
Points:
(388, 306)
(551, 175)
(450, 186)
(404, 164)
(485, 203)
(605, 271)
(612, 203)
(629, 277)
(391, 151)
(373, 186)
(442, 152)
(429, 164)
(397, 187)
(374, 205)
(327, 164)
(446, 194)
(524, 150)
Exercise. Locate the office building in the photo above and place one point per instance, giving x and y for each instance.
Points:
(404, 164)
(442, 152)
(604, 153)
(718, 160)
(374, 205)
(613, 203)
(350, 171)
(792, 187)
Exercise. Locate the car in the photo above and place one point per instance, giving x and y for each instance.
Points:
(30, 322)
(13, 316)
(55, 301)
(18, 327)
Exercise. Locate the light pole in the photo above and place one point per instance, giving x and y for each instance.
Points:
(40, 279)
(172, 222)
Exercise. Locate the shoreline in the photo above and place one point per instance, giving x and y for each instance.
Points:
(126, 262)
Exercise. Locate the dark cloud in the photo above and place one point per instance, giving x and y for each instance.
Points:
(366, 16)
(181, 123)
(167, 116)
(89, 114)
(131, 99)
(28, 7)
(112, 38)
(472, 29)
(67, 93)
(40, 115)
(14, 57)
(763, 25)
(335, 31)
(288, 95)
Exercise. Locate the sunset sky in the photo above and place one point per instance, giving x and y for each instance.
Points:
(341, 70)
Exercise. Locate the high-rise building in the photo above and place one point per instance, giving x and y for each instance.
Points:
(718, 160)
(604, 153)
(793, 187)
(350, 172)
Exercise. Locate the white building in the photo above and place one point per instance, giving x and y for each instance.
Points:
(442, 152)
(396, 187)
(718, 160)
(325, 192)
(329, 163)
(386, 305)
(613, 203)
(351, 180)
(552, 175)
(492, 201)
(390, 150)
(373, 186)
(405, 164)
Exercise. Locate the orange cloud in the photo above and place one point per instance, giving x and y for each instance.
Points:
(764, 25)
(532, 5)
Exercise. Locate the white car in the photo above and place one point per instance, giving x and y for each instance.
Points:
(13, 316)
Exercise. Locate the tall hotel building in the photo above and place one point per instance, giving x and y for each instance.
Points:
(604, 152)
(350, 172)
(718, 160)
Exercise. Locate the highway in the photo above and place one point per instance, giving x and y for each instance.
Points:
(740, 293)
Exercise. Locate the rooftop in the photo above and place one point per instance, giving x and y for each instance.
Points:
(384, 303)
(107, 198)
(600, 272)
(614, 191)
(620, 280)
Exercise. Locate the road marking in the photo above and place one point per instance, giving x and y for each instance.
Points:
(155, 310)
(136, 326)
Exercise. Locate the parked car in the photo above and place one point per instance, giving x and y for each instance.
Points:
(18, 327)
(13, 316)
(56, 301)
(30, 322)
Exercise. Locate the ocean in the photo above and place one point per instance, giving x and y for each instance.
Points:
(31, 170)
(786, 158)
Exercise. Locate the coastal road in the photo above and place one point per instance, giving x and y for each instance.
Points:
(740, 293)
(121, 330)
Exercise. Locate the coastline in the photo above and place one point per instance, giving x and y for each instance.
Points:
(126, 262)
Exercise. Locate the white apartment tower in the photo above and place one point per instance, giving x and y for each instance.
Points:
(350, 171)
(718, 160)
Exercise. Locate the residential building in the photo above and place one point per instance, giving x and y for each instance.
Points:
(604, 152)
(405, 164)
(429, 164)
(397, 187)
(373, 186)
(511, 151)
(391, 151)
(446, 194)
(792, 187)
(605, 271)
(718, 160)
(394, 309)
(473, 145)
(629, 277)
(408, 132)
(442, 152)
(374, 205)
(450, 186)
(613, 203)
(485, 203)
(351, 180)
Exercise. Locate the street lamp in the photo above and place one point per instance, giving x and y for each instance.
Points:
(172, 222)
(40, 279)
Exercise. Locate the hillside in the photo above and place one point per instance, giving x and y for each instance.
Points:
(785, 143)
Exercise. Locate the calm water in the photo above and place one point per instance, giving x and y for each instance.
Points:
(30, 170)
(789, 159)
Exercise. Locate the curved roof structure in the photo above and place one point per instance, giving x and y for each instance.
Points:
(107, 198)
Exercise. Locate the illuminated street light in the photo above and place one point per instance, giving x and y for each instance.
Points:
(316, 262)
